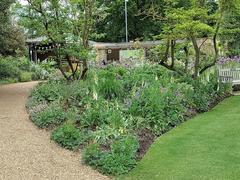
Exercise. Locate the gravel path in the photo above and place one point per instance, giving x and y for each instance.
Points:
(26, 153)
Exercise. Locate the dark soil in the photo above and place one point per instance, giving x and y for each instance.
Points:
(190, 113)
(146, 138)
(218, 99)
(236, 88)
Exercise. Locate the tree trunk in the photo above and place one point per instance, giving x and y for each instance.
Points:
(187, 58)
(85, 69)
(86, 30)
(197, 56)
(173, 44)
(165, 59)
(216, 50)
(59, 64)
(70, 63)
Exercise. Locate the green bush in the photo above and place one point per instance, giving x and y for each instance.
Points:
(43, 70)
(20, 68)
(8, 80)
(68, 136)
(92, 155)
(127, 146)
(50, 91)
(25, 77)
(107, 119)
(225, 89)
(204, 93)
(94, 114)
(119, 160)
(162, 108)
(77, 94)
(109, 86)
(108, 83)
(23, 63)
(38, 72)
(146, 76)
(51, 116)
(9, 68)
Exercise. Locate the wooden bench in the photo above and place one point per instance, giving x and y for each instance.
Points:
(229, 75)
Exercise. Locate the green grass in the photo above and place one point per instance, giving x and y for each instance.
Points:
(206, 147)
(8, 81)
(138, 54)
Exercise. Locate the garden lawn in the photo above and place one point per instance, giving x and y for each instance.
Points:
(206, 147)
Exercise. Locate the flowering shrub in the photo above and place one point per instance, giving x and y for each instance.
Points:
(229, 60)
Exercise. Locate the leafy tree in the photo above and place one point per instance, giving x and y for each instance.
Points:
(11, 37)
(67, 25)
(190, 21)
(230, 26)
(112, 27)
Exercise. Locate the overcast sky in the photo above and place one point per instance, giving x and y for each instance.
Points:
(23, 1)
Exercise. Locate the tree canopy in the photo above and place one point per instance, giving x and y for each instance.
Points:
(11, 37)
(139, 25)
(67, 25)
(183, 26)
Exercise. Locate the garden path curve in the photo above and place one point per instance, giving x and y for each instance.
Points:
(26, 153)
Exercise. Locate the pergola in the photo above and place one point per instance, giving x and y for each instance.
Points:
(39, 49)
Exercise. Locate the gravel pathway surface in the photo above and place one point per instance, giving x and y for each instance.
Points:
(26, 153)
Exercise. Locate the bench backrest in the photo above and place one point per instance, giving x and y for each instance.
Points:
(236, 74)
(229, 75)
(225, 73)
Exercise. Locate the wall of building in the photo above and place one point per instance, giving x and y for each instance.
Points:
(101, 55)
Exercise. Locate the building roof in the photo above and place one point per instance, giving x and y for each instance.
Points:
(103, 45)
(36, 40)
(129, 45)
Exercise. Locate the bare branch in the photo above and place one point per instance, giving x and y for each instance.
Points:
(200, 47)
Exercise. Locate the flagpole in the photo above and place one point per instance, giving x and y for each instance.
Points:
(126, 20)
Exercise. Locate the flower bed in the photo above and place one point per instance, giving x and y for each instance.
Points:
(116, 113)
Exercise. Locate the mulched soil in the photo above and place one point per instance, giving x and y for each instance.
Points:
(146, 137)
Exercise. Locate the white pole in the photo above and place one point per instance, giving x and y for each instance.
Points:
(126, 20)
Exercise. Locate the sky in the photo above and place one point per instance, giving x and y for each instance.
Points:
(24, 2)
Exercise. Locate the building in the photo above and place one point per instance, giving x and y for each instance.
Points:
(39, 49)
(112, 51)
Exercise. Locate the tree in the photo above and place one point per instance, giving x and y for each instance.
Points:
(67, 25)
(112, 27)
(191, 21)
(230, 30)
(11, 37)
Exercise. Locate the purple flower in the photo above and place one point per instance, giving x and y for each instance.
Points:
(226, 60)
